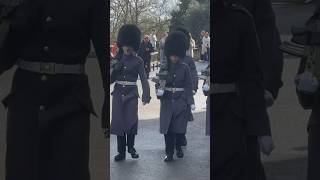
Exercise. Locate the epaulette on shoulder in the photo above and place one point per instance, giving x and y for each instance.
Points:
(239, 7)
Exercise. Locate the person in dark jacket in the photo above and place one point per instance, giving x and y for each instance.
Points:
(239, 108)
(271, 60)
(144, 52)
(177, 96)
(49, 104)
(124, 122)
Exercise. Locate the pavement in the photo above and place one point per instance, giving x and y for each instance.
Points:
(150, 145)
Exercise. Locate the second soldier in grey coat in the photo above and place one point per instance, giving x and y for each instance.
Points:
(177, 96)
(125, 94)
(188, 60)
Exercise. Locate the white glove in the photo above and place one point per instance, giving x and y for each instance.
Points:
(266, 144)
(193, 107)
(268, 98)
(307, 82)
(160, 92)
(205, 87)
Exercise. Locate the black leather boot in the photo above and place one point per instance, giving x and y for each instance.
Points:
(133, 153)
(120, 157)
(121, 140)
(168, 158)
(169, 141)
(183, 140)
(131, 149)
(179, 152)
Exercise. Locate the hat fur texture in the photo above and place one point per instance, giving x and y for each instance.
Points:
(176, 44)
(129, 35)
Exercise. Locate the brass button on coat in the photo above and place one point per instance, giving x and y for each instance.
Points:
(49, 19)
(46, 48)
(42, 108)
(44, 78)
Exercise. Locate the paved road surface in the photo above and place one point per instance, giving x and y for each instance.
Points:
(150, 145)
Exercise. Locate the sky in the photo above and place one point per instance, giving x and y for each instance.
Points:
(172, 3)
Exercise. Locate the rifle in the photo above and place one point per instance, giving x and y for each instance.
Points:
(161, 77)
(205, 75)
(113, 62)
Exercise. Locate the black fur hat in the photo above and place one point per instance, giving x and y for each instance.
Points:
(129, 35)
(185, 31)
(176, 44)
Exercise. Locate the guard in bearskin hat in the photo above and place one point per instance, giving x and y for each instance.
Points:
(177, 96)
(125, 94)
(194, 78)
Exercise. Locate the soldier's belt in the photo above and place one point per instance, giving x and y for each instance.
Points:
(51, 68)
(126, 83)
(174, 89)
(223, 88)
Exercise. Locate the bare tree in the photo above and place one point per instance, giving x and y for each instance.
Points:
(147, 14)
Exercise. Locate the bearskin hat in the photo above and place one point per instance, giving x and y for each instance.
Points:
(185, 31)
(176, 44)
(129, 35)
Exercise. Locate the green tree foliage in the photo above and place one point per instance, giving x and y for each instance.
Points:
(193, 15)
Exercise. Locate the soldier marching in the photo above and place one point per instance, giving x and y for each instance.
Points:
(124, 122)
(177, 97)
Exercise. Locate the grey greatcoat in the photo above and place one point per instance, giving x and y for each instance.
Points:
(193, 71)
(125, 98)
(194, 77)
(175, 106)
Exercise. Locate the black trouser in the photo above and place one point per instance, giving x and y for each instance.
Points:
(172, 139)
(255, 170)
(313, 152)
(36, 151)
(229, 142)
(123, 141)
(181, 140)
